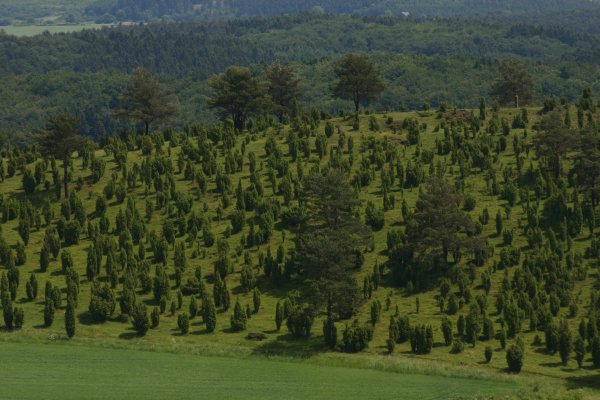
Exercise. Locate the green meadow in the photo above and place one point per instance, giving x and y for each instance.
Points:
(63, 371)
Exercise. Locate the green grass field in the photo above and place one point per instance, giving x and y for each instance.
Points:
(32, 30)
(56, 371)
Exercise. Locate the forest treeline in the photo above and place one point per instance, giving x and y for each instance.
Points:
(204, 48)
(580, 15)
(449, 61)
(144, 10)
(429, 8)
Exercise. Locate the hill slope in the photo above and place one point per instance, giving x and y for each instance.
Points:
(367, 163)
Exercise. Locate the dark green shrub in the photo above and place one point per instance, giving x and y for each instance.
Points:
(421, 339)
(139, 319)
(48, 313)
(330, 332)
(457, 347)
(239, 318)
(70, 320)
(183, 323)
(299, 323)
(209, 313)
(447, 331)
(102, 302)
(18, 317)
(278, 316)
(514, 358)
(155, 317)
(488, 354)
(391, 345)
(356, 337)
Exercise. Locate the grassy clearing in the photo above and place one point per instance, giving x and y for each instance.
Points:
(73, 372)
(33, 30)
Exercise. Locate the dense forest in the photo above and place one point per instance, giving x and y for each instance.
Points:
(140, 10)
(445, 61)
(427, 8)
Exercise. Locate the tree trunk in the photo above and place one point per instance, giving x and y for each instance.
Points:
(558, 166)
(356, 103)
(147, 125)
(238, 121)
(66, 177)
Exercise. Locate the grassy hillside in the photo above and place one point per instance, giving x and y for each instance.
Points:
(385, 134)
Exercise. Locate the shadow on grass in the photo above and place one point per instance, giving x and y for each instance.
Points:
(200, 332)
(129, 335)
(592, 382)
(150, 302)
(85, 318)
(541, 350)
(552, 364)
(37, 198)
(289, 346)
(238, 290)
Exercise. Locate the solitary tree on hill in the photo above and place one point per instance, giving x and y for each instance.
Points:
(145, 101)
(358, 80)
(514, 82)
(238, 95)
(60, 139)
(587, 165)
(555, 140)
(283, 88)
(438, 225)
(327, 242)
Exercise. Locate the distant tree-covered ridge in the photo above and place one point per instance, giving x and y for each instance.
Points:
(446, 61)
(555, 12)
(139, 10)
(150, 9)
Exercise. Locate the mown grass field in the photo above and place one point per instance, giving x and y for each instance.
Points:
(253, 377)
(59, 371)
